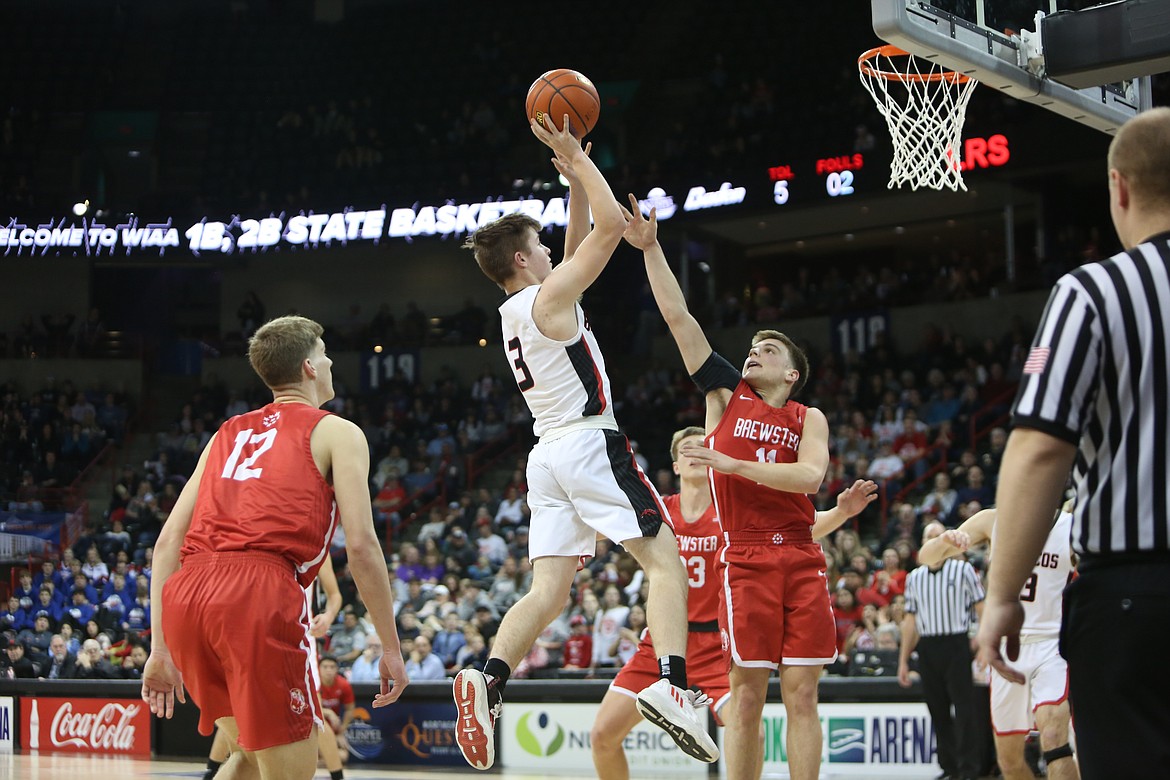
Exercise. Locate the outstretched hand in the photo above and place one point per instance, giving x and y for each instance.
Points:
(566, 147)
(640, 233)
(709, 458)
(853, 499)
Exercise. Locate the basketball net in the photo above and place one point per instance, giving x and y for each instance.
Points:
(924, 106)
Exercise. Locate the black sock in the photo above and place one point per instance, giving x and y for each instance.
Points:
(212, 767)
(673, 668)
(338, 775)
(495, 667)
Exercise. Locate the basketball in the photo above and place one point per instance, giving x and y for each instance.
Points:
(563, 91)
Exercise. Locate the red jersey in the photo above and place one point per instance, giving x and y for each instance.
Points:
(698, 546)
(750, 429)
(579, 650)
(845, 621)
(337, 696)
(261, 490)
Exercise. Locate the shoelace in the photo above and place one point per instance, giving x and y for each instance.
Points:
(494, 710)
(698, 699)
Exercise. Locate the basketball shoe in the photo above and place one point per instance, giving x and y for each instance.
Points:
(673, 710)
(479, 705)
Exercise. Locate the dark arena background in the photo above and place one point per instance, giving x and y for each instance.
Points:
(175, 173)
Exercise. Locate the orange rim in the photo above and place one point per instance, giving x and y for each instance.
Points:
(889, 51)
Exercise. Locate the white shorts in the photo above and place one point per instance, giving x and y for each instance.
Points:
(584, 483)
(1046, 682)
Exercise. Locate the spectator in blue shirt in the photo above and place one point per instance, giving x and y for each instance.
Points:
(449, 640)
(66, 577)
(48, 572)
(81, 582)
(46, 605)
(13, 617)
(365, 668)
(26, 592)
(975, 490)
(118, 586)
(423, 664)
(81, 611)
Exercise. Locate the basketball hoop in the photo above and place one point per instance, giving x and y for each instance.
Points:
(924, 106)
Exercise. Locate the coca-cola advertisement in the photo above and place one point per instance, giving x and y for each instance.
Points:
(111, 726)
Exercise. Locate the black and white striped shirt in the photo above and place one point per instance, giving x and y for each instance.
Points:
(1098, 377)
(941, 600)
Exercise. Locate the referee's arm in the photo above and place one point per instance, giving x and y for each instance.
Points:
(909, 642)
(1031, 479)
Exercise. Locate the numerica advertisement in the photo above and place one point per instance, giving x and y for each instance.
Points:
(551, 739)
(110, 726)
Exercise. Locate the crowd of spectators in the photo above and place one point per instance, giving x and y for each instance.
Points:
(457, 547)
(48, 436)
(77, 618)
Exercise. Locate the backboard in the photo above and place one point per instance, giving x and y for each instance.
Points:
(996, 42)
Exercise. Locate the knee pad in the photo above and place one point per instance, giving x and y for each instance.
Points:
(1057, 753)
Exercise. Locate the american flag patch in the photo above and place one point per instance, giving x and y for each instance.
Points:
(1037, 360)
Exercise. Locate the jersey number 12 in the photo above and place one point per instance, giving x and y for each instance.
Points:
(243, 470)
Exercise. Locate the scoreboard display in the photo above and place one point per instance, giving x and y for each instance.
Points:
(844, 175)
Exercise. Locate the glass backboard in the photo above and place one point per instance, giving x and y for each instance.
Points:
(995, 42)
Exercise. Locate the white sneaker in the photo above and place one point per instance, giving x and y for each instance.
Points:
(672, 709)
(475, 727)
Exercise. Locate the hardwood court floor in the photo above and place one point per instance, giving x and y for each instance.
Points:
(49, 766)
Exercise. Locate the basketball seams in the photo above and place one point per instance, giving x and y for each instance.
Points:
(588, 93)
(578, 95)
(570, 109)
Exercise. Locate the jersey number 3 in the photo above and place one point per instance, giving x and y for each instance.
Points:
(1029, 591)
(696, 567)
(527, 382)
(244, 470)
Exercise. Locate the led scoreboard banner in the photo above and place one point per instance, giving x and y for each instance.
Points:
(788, 183)
(849, 174)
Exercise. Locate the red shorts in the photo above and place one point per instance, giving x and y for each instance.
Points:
(706, 668)
(237, 625)
(775, 607)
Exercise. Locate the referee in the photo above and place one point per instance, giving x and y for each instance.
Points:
(939, 599)
(1094, 394)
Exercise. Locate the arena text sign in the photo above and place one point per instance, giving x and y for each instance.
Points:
(310, 229)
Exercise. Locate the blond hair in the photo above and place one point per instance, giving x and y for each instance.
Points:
(796, 355)
(690, 430)
(279, 347)
(1141, 153)
(496, 244)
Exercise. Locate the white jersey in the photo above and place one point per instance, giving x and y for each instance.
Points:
(1043, 593)
(563, 382)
